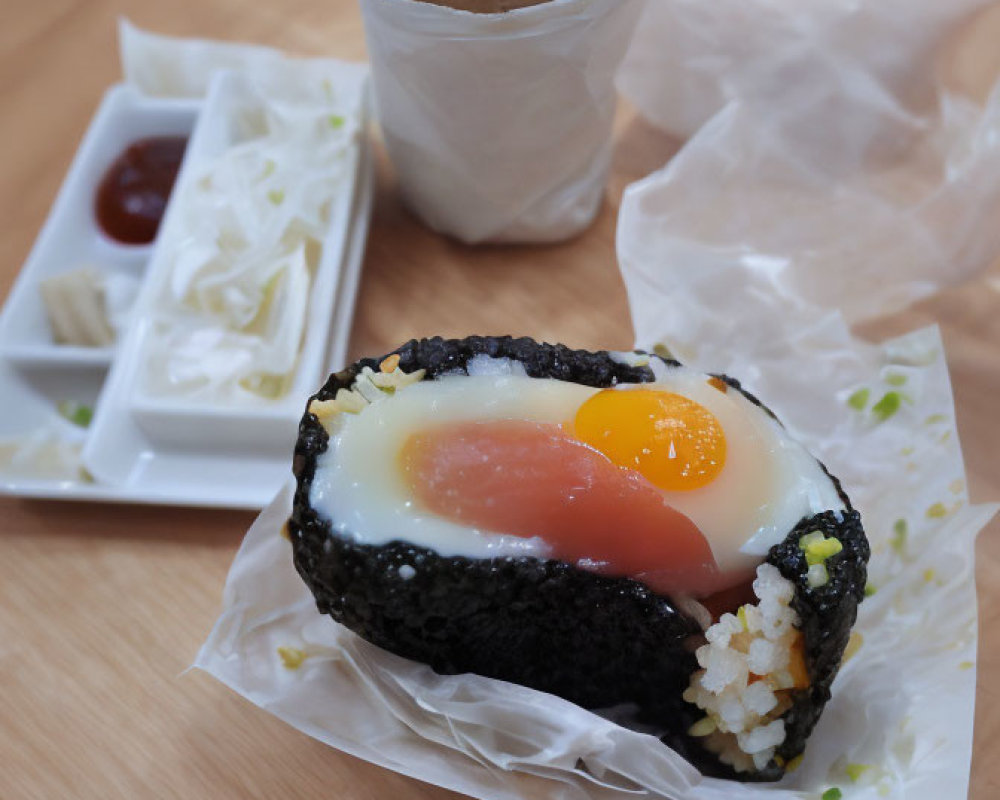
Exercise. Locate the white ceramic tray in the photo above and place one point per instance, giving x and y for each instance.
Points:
(127, 462)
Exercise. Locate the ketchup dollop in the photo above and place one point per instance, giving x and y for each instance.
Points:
(133, 193)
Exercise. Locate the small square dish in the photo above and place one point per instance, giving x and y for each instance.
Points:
(72, 240)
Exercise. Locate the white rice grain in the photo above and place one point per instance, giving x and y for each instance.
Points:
(759, 641)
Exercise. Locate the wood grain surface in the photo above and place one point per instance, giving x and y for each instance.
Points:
(103, 607)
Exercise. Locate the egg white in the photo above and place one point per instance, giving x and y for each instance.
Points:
(769, 482)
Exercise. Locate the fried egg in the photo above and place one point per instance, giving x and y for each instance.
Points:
(682, 482)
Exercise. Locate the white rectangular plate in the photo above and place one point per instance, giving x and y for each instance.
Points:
(165, 475)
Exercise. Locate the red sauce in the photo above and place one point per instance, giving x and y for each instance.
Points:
(134, 191)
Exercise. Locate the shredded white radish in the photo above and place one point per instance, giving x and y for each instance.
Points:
(230, 320)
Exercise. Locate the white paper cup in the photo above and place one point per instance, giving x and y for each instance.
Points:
(499, 124)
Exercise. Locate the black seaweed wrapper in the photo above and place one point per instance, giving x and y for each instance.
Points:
(596, 641)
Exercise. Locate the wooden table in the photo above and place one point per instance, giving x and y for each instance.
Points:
(103, 607)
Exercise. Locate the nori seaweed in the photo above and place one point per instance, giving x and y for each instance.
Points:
(826, 613)
(596, 641)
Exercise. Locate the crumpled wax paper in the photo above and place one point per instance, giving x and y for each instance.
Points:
(902, 705)
(178, 67)
(840, 161)
(690, 58)
(750, 253)
(499, 125)
(169, 66)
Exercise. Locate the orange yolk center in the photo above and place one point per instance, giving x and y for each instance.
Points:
(530, 479)
(676, 443)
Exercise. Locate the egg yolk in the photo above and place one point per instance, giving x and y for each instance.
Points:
(531, 479)
(676, 443)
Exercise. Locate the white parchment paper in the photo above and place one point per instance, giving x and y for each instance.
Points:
(833, 165)
(170, 66)
(499, 125)
(903, 704)
(690, 58)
